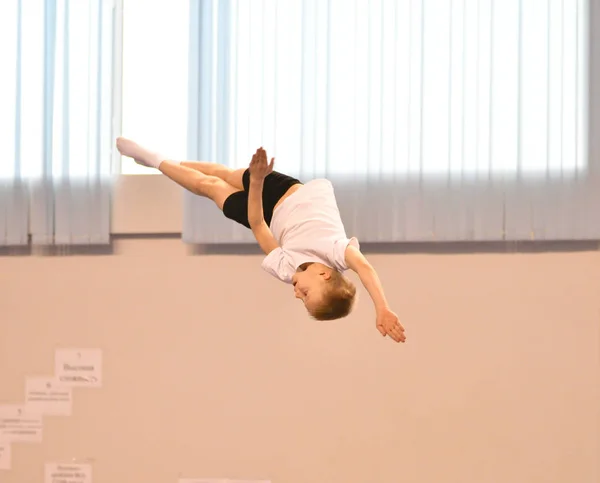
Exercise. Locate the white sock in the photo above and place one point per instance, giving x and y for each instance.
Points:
(140, 155)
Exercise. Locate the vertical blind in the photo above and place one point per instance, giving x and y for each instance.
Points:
(56, 120)
(435, 120)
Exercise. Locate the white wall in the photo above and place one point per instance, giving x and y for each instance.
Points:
(211, 368)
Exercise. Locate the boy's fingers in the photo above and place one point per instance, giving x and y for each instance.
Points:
(395, 334)
(400, 337)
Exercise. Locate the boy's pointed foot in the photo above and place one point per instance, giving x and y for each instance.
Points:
(140, 155)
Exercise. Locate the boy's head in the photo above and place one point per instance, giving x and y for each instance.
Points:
(325, 292)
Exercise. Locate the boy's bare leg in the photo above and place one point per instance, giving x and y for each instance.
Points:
(195, 181)
(229, 175)
(198, 183)
(145, 157)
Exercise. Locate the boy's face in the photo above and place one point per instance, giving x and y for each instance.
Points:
(309, 284)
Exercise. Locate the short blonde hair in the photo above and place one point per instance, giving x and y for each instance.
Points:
(338, 299)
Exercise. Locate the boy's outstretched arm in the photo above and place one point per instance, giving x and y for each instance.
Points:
(387, 321)
(259, 169)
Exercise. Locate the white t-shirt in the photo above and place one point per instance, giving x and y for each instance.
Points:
(308, 228)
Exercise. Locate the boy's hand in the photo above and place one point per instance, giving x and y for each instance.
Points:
(259, 166)
(388, 324)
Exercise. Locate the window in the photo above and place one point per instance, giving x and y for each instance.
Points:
(155, 77)
(55, 88)
(431, 87)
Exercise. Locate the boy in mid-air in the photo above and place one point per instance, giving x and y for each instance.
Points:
(297, 225)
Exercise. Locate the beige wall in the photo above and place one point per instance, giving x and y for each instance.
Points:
(212, 369)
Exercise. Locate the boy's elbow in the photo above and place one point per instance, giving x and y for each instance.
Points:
(255, 218)
(255, 222)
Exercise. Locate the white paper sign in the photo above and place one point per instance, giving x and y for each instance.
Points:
(68, 473)
(45, 395)
(79, 367)
(4, 456)
(19, 425)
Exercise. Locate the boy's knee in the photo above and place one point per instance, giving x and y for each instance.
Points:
(215, 189)
(205, 183)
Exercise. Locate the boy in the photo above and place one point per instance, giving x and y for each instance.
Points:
(297, 225)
